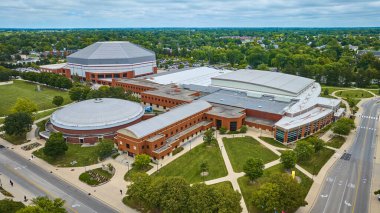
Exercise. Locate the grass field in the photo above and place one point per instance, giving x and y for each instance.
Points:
(188, 165)
(84, 156)
(336, 142)
(16, 140)
(273, 142)
(354, 94)
(135, 170)
(240, 149)
(248, 189)
(44, 114)
(10, 93)
(223, 184)
(317, 161)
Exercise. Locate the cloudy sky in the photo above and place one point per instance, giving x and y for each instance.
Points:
(186, 13)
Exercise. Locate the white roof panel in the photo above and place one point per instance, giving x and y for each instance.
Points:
(164, 120)
(197, 76)
(280, 81)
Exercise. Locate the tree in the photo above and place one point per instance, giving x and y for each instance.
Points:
(55, 146)
(288, 159)
(326, 92)
(58, 100)
(45, 205)
(24, 105)
(104, 148)
(262, 67)
(228, 200)
(204, 167)
(10, 206)
(243, 129)
(281, 193)
(317, 143)
(343, 126)
(303, 151)
(141, 161)
(208, 137)
(202, 198)
(18, 123)
(222, 130)
(169, 194)
(79, 92)
(253, 168)
(139, 188)
(377, 192)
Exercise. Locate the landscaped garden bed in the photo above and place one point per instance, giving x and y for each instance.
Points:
(30, 146)
(98, 176)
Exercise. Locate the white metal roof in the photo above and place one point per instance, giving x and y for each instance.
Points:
(97, 114)
(53, 66)
(289, 123)
(164, 120)
(275, 80)
(111, 52)
(197, 76)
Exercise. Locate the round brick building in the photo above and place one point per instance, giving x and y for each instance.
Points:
(91, 120)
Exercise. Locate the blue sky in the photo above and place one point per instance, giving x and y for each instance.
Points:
(183, 13)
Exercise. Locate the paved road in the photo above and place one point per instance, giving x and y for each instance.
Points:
(347, 184)
(41, 183)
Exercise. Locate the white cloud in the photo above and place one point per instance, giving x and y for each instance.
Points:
(183, 13)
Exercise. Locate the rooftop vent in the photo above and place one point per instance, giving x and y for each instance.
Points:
(98, 100)
(260, 106)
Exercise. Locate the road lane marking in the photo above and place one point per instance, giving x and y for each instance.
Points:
(324, 196)
(361, 160)
(328, 199)
(344, 191)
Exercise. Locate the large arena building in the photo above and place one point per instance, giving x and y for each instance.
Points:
(92, 120)
(289, 106)
(103, 61)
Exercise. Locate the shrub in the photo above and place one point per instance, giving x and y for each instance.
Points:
(177, 150)
(222, 130)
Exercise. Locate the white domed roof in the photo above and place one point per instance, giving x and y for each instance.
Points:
(97, 114)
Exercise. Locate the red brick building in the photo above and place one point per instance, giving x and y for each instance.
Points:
(60, 69)
(160, 135)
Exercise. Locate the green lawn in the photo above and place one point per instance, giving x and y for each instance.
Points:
(240, 149)
(188, 165)
(331, 90)
(354, 94)
(10, 93)
(16, 140)
(223, 184)
(134, 170)
(317, 161)
(44, 114)
(336, 142)
(247, 189)
(273, 142)
(84, 156)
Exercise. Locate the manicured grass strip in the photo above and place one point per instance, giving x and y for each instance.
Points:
(240, 149)
(134, 170)
(273, 142)
(223, 184)
(354, 94)
(43, 99)
(16, 140)
(317, 161)
(337, 141)
(247, 189)
(84, 156)
(41, 125)
(44, 114)
(188, 165)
